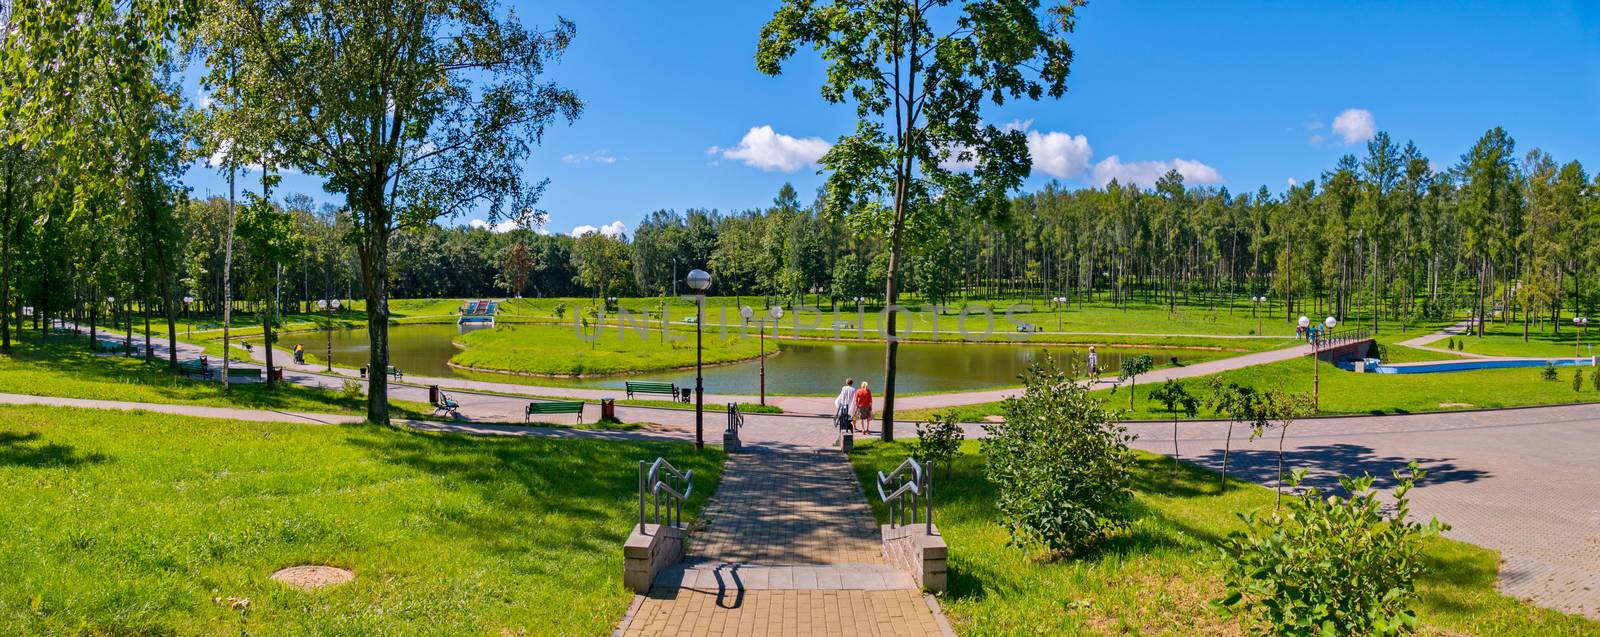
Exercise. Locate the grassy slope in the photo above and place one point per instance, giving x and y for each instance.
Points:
(1158, 577)
(556, 350)
(132, 523)
(1349, 393)
(63, 366)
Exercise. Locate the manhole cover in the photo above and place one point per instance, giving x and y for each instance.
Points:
(313, 577)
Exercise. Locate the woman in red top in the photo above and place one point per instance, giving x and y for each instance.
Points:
(864, 408)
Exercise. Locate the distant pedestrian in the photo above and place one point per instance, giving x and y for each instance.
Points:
(842, 403)
(299, 354)
(864, 408)
(1094, 365)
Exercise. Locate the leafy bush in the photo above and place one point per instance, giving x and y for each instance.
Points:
(1577, 379)
(352, 389)
(1594, 378)
(1331, 565)
(1060, 462)
(938, 440)
(1549, 371)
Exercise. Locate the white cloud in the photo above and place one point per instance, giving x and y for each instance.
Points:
(1055, 153)
(1059, 154)
(1355, 125)
(1145, 173)
(1293, 182)
(219, 157)
(610, 230)
(599, 157)
(504, 226)
(770, 150)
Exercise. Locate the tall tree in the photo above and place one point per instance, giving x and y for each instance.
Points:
(411, 110)
(918, 74)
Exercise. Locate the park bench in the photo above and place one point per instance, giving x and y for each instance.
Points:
(447, 405)
(244, 372)
(650, 387)
(194, 367)
(555, 407)
(103, 345)
(394, 372)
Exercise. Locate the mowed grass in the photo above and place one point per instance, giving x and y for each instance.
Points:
(120, 524)
(564, 351)
(1349, 393)
(1543, 341)
(63, 366)
(1158, 577)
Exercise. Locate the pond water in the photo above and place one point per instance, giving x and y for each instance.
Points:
(803, 367)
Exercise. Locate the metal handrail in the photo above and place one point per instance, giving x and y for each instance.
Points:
(651, 481)
(1345, 337)
(909, 484)
(735, 418)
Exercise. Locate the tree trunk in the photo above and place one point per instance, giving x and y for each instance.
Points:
(375, 289)
(227, 279)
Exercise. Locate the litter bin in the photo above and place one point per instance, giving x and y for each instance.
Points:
(363, 372)
(608, 409)
(685, 394)
(433, 394)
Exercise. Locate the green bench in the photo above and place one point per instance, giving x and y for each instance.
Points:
(555, 407)
(102, 345)
(244, 372)
(650, 387)
(394, 372)
(447, 405)
(194, 367)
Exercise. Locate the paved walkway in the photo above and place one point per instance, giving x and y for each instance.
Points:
(1521, 481)
(791, 548)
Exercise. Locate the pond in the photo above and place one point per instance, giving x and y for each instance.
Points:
(803, 367)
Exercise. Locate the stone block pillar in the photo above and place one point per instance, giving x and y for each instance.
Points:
(913, 550)
(645, 554)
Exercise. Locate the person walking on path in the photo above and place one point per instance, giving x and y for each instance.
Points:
(1094, 366)
(845, 399)
(299, 354)
(863, 400)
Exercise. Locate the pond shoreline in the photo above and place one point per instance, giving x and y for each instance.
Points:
(506, 372)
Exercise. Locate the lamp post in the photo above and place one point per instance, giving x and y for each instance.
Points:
(1256, 302)
(776, 312)
(1060, 301)
(699, 281)
(111, 310)
(330, 307)
(1316, 347)
(187, 300)
(1582, 323)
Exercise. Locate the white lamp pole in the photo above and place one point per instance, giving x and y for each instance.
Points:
(187, 300)
(699, 281)
(1580, 322)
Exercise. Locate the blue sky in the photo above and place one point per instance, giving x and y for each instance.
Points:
(1239, 94)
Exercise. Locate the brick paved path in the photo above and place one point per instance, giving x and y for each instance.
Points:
(791, 548)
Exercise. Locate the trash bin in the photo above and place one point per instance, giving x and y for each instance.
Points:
(433, 394)
(685, 394)
(363, 372)
(608, 409)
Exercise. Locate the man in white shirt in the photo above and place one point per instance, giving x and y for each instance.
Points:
(847, 395)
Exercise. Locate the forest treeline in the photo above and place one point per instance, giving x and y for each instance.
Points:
(1386, 234)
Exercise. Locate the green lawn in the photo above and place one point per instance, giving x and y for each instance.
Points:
(63, 366)
(1158, 577)
(1543, 342)
(1348, 393)
(124, 524)
(551, 350)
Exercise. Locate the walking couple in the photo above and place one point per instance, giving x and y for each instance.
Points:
(854, 405)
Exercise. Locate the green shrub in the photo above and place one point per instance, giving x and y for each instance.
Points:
(1577, 379)
(1060, 463)
(938, 440)
(1330, 565)
(1549, 371)
(1594, 378)
(352, 389)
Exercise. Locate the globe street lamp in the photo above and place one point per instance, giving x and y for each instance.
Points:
(1256, 302)
(699, 281)
(1059, 301)
(187, 300)
(776, 312)
(1316, 348)
(1582, 323)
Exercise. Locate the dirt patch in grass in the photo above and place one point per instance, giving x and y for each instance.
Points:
(313, 576)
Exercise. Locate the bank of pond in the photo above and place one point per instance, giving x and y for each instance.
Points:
(569, 356)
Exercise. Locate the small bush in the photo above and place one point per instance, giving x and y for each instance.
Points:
(1594, 378)
(352, 389)
(1060, 463)
(938, 440)
(1331, 565)
(1549, 371)
(1577, 380)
